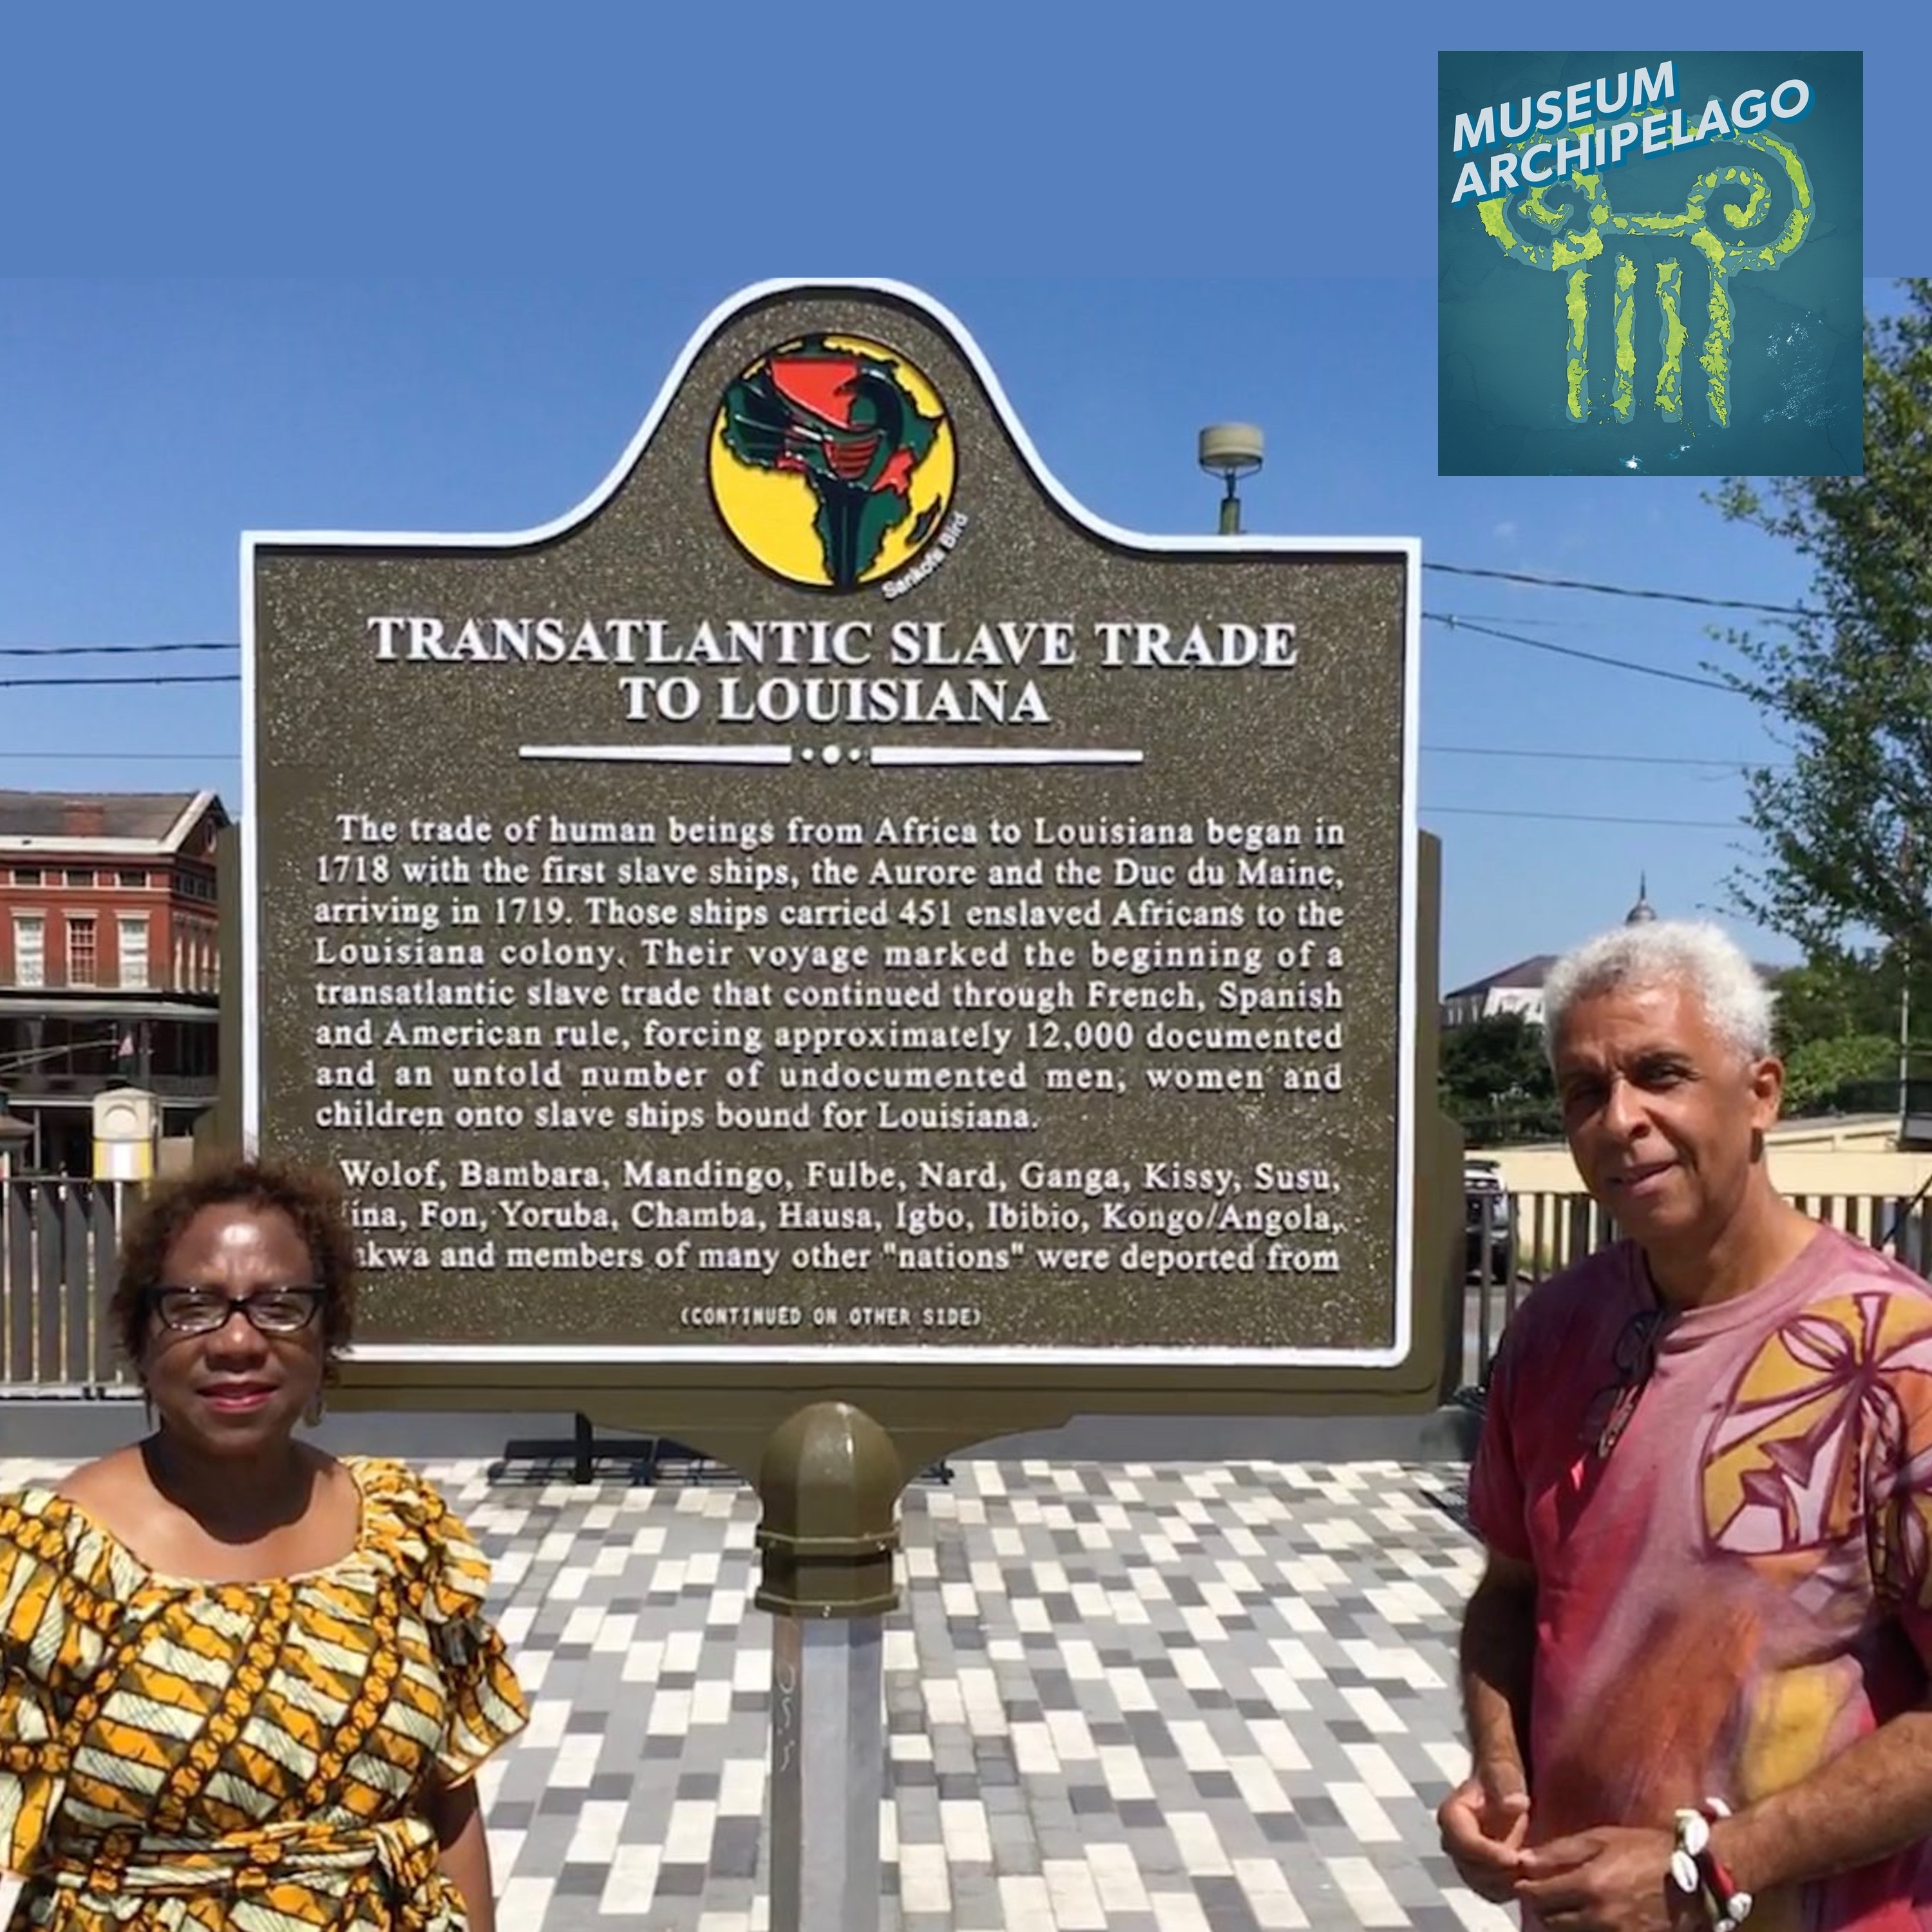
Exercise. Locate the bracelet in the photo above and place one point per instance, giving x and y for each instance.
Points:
(1697, 1872)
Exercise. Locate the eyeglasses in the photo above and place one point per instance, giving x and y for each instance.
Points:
(1635, 1358)
(201, 1311)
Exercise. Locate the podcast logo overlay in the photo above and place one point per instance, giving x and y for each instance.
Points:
(1651, 265)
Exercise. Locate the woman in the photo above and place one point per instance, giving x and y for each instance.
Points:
(243, 1683)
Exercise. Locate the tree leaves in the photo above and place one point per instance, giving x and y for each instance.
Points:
(1847, 829)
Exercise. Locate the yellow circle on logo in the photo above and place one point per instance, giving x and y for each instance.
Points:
(833, 461)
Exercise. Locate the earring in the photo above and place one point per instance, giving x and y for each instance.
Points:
(317, 1408)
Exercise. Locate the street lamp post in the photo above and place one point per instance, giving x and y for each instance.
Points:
(1230, 451)
(1905, 869)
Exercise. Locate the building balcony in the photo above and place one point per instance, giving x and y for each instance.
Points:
(55, 997)
(27, 1088)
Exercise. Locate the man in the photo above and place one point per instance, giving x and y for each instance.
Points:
(1705, 1486)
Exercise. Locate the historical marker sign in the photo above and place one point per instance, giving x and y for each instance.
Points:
(830, 897)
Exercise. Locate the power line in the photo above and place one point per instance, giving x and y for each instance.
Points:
(1623, 590)
(111, 650)
(1451, 621)
(1524, 617)
(1585, 817)
(1532, 578)
(18, 1063)
(1557, 756)
(1598, 758)
(181, 677)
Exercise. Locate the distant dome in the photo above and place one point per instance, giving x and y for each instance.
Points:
(1643, 912)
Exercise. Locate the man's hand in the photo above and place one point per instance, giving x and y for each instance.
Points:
(1483, 1822)
(1616, 1878)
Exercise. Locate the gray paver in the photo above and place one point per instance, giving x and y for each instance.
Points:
(1118, 1698)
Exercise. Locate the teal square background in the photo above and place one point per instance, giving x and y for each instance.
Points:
(1797, 362)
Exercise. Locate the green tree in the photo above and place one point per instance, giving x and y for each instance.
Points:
(1848, 829)
(1495, 1081)
(1838, 1019)
(1836, 995)
(1817, 1071)
(1837, 1026)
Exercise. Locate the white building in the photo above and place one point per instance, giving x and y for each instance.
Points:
(1518, 989)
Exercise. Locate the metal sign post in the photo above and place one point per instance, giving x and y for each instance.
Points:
(830, 1484)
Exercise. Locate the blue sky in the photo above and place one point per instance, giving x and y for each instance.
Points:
(153, 422)
(504, 234)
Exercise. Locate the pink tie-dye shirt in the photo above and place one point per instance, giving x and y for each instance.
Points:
(1740, 1589)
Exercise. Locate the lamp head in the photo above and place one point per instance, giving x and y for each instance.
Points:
(1232, 450)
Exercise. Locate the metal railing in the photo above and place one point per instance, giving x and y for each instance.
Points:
(1544, 1233)
(57, 1239)
(57, 1247)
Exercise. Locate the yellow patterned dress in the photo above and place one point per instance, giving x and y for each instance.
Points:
(177, 1755)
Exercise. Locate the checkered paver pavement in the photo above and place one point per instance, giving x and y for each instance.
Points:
(1119, 1698)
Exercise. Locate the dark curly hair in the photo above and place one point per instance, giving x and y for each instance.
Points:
(313, 1201)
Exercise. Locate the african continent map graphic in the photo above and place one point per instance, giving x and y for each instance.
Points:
(833, 461)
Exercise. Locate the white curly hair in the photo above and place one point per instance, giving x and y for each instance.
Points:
(1701, 957)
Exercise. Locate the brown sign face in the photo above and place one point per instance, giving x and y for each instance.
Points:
(831, 897)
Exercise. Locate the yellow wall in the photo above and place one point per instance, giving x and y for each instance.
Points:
(1853, 1155)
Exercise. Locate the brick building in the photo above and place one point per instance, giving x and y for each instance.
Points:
(110, 972)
